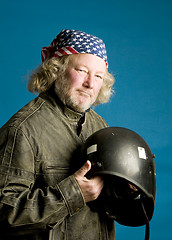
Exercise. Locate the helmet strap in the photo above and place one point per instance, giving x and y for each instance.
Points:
(147, 231)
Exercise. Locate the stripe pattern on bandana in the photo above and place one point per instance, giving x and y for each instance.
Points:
(72, 42)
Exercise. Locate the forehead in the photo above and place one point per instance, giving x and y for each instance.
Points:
(87, 60)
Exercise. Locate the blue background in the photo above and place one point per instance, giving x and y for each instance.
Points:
(138, 37)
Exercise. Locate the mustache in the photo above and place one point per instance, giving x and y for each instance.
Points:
(86, 92)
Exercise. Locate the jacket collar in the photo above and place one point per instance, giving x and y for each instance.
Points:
(55, 100)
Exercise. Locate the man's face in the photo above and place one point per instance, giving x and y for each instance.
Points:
(83, 81)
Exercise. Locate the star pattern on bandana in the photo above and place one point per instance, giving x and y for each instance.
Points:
(72, 41)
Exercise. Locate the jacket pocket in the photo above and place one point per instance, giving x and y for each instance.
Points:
(51, 173)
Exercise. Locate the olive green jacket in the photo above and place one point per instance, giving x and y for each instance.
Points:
(39, 197)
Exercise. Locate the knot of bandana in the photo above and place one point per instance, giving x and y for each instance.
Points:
(72, 42)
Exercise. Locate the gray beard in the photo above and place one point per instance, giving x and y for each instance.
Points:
(62, 90)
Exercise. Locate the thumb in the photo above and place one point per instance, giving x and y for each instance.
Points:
(84, 169)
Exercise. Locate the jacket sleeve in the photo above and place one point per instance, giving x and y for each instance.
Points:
(23, 206)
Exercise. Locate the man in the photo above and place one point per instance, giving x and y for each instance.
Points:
(44, 194)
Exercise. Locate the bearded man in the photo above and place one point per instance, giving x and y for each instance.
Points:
(43, 193)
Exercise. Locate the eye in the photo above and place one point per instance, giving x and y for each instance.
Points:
(81, 70)
(99, 76)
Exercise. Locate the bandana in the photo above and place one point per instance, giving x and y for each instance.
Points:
(72, 42)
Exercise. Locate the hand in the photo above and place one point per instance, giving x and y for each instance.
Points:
(91, 188)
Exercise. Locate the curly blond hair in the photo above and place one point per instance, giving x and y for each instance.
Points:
(53, 69)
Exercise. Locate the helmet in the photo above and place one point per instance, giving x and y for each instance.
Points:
(127, 165)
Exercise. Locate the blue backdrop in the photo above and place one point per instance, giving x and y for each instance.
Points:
(138, 36)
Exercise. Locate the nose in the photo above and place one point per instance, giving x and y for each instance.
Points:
(89, 81)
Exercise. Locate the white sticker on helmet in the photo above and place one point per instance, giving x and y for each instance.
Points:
(142, 153)
(92, 149)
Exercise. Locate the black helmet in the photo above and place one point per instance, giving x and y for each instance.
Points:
(127, 165)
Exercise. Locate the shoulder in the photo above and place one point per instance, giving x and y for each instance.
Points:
(26, 112)
(97, 118)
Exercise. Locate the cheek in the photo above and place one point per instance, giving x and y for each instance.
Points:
(73, 78)
(98, 87)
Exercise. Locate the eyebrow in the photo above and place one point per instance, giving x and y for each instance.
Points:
(99, 71)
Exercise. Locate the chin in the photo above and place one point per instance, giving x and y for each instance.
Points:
(77, 104)
(80, 107)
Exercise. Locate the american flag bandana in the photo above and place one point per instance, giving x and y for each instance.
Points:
(72, 42)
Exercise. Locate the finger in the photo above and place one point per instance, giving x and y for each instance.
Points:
(84, 169)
